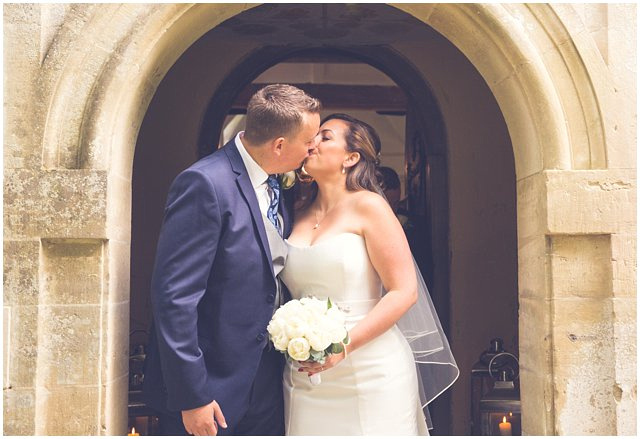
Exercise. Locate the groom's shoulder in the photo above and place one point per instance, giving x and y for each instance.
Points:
(212, 171)
(214, 165)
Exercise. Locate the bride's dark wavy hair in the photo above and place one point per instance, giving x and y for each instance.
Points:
(360, 138)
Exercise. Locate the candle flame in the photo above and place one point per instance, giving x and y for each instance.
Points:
(510, 414)
(504, 419)
(133, 430)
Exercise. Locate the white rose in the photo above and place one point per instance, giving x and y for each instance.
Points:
(319, 339)
(292, 305)
(275, 327)
(278, 334)
(281, 343)
(334, 331)
(316, 306)
(287, 310)
(296, 326)
(298, 349)
(338, 316)
(337, 334)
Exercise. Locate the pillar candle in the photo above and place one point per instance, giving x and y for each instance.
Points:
(505, 427)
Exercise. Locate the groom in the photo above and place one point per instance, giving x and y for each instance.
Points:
(209, 369)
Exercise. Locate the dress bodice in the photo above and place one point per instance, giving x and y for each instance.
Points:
(373, 391)
(337, 267)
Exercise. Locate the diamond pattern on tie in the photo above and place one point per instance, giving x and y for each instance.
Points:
(272, 212)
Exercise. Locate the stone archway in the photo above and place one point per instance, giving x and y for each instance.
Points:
(96, 76)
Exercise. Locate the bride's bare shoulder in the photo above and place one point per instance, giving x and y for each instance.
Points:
(370, 202)
(364, 196)
(375, 215)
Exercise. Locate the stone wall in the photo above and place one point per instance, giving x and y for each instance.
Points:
(78, 79)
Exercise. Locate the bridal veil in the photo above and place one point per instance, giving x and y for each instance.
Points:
(437, 369)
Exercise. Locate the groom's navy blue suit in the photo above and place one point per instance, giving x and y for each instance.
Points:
(213, 292)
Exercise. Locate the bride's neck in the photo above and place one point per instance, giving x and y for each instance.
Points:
(330, 193)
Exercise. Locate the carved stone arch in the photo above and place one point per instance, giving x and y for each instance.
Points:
(103, 76)
(576, 85)
(124, 65)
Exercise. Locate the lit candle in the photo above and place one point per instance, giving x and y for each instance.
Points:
(133, 432)
(505, 427)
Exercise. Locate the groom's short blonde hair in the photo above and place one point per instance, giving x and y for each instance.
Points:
(276, 111)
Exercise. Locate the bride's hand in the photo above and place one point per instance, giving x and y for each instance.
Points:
(313, 367)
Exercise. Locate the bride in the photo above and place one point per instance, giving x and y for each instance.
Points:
(347, 245)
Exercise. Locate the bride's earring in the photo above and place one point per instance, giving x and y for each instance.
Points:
(343, 170)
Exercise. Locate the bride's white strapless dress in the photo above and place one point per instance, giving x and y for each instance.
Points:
(374, 391)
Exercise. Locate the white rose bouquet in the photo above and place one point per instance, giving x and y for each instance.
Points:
(308, 329)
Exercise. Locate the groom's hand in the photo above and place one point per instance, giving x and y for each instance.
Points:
(200, 421)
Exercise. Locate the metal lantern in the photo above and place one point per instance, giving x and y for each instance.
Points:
(495, 405)
(144, 419)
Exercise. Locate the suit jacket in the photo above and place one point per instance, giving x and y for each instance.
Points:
(212, 290)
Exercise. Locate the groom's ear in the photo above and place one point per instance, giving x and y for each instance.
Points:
(276, 145)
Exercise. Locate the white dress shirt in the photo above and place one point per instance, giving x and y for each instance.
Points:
(258, 178)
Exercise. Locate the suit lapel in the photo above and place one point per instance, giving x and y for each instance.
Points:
(249, 195)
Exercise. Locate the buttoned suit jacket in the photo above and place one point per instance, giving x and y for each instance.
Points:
(212, 290)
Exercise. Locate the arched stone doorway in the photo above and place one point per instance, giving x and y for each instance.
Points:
(98, 73)
(482, 167)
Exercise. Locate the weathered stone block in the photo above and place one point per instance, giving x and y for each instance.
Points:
(533, 263)
(72, 271)
(535, 356)
(537, 409)
(535, 335)
(115, 337)
(6, 345)
(532, 209)
(581, 266)
(584, 372)
(19, 412)
(589, 202)
(115, 415)
(625, 387)
(69, 346)
(624, 327)
(23, 111)
(68, 410)
(60, 203)
(119, 256)
(21, 260)
(624, 263)
(119, 214)
(23, 341)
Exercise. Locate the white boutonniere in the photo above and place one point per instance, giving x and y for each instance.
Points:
(287, 180)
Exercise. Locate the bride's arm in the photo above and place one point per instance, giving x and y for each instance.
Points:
(390, 255)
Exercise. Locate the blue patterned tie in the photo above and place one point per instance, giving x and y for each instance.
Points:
(272, 212)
